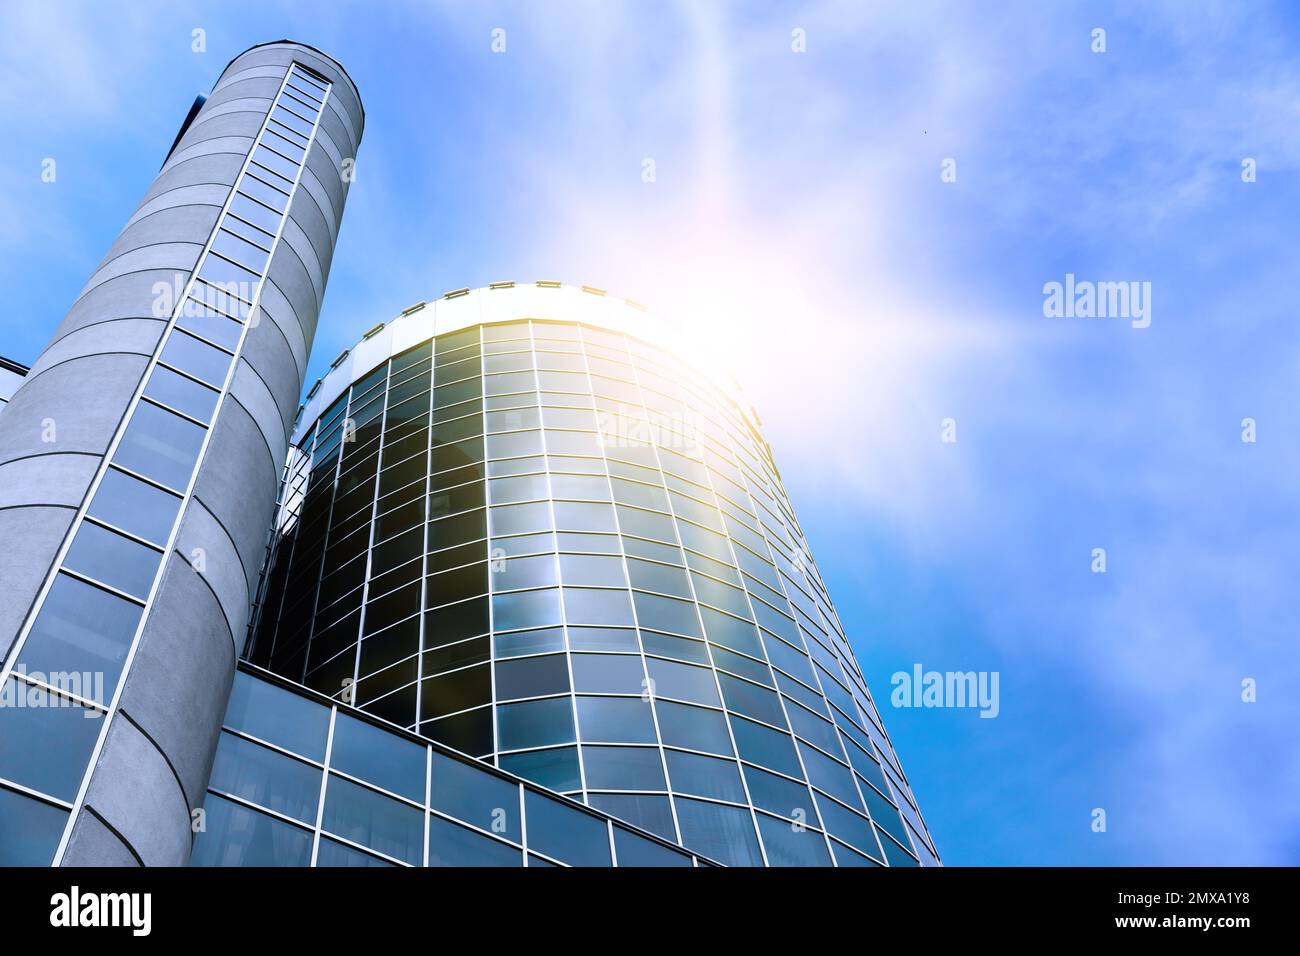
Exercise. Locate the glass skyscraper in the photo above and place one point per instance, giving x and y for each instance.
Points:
(517, 523)
(518, 584)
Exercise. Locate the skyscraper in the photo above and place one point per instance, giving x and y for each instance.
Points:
(518, 584)
(518, 523)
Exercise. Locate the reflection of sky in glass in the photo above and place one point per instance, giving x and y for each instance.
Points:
(797, 209)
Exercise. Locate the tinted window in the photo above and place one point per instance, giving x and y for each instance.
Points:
(790, 845)
(332, 853)
(278, 716)
(705, 776)
(608, 673)
(454, 845)
(554, 769)
(535, 724)
(380, 757)
(29, 830)
(364, 816)
(160, 445)
(532, 677)
(724, 833)
(636, 850)
(238, 836)
(565, 833)
(188, 354)
(45, 744)
(623, 768)
(475, 796)
(113, 559)
(262, 776)
(134, 506)
(81, 628)
(181, 393)
(615, 720)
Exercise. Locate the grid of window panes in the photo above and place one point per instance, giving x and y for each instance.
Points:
(296, 782)
(68, 665)
(555, 547)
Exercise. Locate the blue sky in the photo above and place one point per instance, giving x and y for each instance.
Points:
(798, 216)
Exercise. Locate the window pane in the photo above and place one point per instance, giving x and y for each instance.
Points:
(276, 163)
(455, 691)
(259, 190)
(554, 769)
(705, 776)
(603, 639)
(209, 322)
(241, 250)
(377, 756)
(666, 614)
(647, 811)
(623, 768)
(783, 797)
(521, 519)
(682, 681)
(510, 573)
(475, 796)
(565, 833)
(45, 739)
(381, 823)
(725, 834)
(608, 673)
(332, 853)
(470, 732)
(659, 577)
(238, 836)
(526, 609)
(615, 720)
(135, 506)
(762, 745)
(529, 642)
(256, 213)
(750, 700)
(584, 516)
(532, 677)
(188, 354)
(262, 776)
(29, 830)
(535, 724)
(235, 279)
(81, 629)
(592, 570)
(113, 559)
(279, 716)
(160, 445)
(693, 727)
(453, 845)
(597, 606)
(210, 301)
(634, 850)
(790, 845)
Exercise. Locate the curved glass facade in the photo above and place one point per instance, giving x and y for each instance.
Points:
(298, 783)
(555, 546)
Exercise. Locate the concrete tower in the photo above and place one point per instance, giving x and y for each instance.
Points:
(139, 461)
